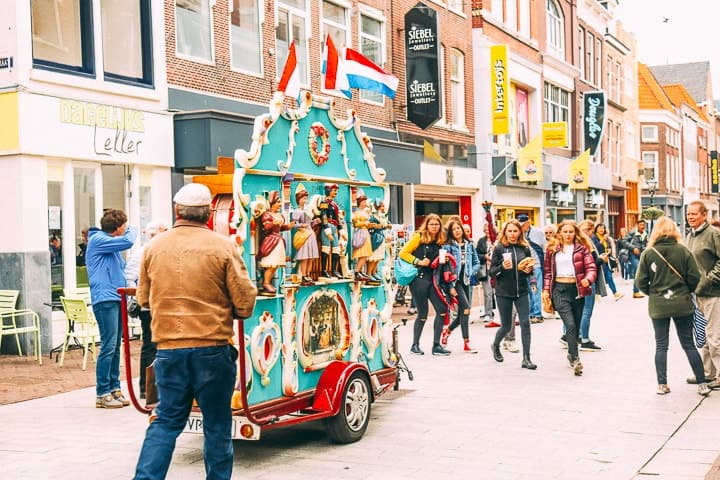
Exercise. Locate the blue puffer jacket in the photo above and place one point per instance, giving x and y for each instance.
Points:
(472, 264)
(105, 265)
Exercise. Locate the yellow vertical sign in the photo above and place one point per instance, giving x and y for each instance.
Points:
(500, 89)
(529, 164)
(580, 172)
(9, 128)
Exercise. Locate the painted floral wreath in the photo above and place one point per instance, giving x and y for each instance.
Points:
(319, 152)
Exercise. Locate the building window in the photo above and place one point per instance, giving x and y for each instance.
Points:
(372, 46)
(610, 150)
(598, 63)
(335, 23)
(616, 147)
(457, 88)
(496, 9)
(649, 134)
(246, 40)
(441, 79)
(590, 57)
(455, 5)
(524, 21)
(127, 40)
(291, 20)
(193, 28)
(581, 51)
(618, 81)
(511, 14)
(555, 29)
(557, 104)
(62, 35)
(649, 160)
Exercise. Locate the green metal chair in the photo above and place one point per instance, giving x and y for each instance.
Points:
(81, 326)
(9, 325)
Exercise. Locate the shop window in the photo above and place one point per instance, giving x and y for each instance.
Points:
(193, 28)
(246, 40)
(291, 20)
(62, 35)
(127, 40)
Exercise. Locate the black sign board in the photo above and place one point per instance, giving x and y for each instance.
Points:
(594, 105)
(421, 66)
(714, 179)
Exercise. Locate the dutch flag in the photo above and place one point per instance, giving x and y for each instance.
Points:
(290, 79)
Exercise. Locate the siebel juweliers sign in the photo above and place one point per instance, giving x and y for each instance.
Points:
(421, 66)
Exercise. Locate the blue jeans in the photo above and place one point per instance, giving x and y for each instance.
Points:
(634, 260)
(609, 278)
(208, 375)
(535, 298)
(107, 369)
(586, 314)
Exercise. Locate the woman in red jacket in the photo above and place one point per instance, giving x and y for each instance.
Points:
(569, 274)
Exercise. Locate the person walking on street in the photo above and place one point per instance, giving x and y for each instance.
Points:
(132, 271)
(511, 265)
(460, 246)
(704, 243)
(536, 240)
(570, 271)
(623, 253)
(195, 284)
(105, 268)
(483, 249)
(668, 274)
(638, 242)
(587, 228)
(421, 249)
(603, 246)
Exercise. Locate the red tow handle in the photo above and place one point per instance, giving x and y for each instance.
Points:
(124, 292)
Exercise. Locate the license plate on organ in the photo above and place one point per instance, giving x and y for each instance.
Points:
(195, 425)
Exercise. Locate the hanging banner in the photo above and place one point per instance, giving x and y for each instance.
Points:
(500, 89)
(594, 106)
(529, 164)
(714, 179)
(580, 172)
(554, 134)
(422, 78)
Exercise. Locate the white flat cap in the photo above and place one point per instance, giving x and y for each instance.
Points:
(193, 195)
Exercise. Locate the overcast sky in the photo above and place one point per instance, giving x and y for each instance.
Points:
(675, 31)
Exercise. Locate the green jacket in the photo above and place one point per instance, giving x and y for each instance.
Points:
(669, 295)
(704, 243)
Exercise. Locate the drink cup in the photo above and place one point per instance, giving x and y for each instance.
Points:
(507, 257)
(443, 256)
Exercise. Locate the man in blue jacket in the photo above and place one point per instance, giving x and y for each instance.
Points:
(105, 267)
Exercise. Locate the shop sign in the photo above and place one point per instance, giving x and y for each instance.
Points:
(714, 180)
(554, 134)
(594, 106)
(529, 164)
(580, 172)
(422, 77)
(500, 89)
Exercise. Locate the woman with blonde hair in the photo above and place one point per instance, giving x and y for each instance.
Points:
(667, 274)
(569, 274)
(511, 265)
(421, 249)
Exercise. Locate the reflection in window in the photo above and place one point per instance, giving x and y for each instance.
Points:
(122, 38)
(192, 27)
(245, 34)
(57, 33)
(372, 46)
(84, 185)
(291, 17)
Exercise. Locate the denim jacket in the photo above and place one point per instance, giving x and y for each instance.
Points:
(472, 264)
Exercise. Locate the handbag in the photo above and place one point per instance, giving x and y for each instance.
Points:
(547, 304)
(133, 307)
(405, 272)
(360, 236)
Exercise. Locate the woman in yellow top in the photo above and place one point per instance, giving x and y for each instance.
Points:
(420, 250)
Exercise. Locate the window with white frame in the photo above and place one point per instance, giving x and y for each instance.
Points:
(557, 103)
(610, 142)
(524, 17)
(590, 57)
(496, 9)
(193, 28)
(649, 160)
(335, 21)
(649, 134)
(441, 67)
(616, 146)
(581, 51)
(511, 20)
(372, 45)
(618, 81)
(457, 88)
(245, 35)
(555, 29)
(455, 5)
(291, 24)
(598, 63)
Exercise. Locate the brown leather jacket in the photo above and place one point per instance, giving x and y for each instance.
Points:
(196, 284)
(584, 268)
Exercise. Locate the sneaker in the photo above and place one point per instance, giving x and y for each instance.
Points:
(638, 295)
(118, 395)
(713, 385)
(577, 367)
(618, 296)
(492, 324)
(467, 348)
(704, 389)
(589, 346)
(439, 350)
(444, 335)
(416, 350)
(107, 401)
(412, 311)
(563, 340)
(510, 346)
(537, 319)
(663, 389)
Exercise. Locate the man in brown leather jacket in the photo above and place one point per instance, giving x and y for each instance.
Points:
(196, 284)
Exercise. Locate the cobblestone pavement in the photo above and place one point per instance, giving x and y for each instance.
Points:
(464, 416)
